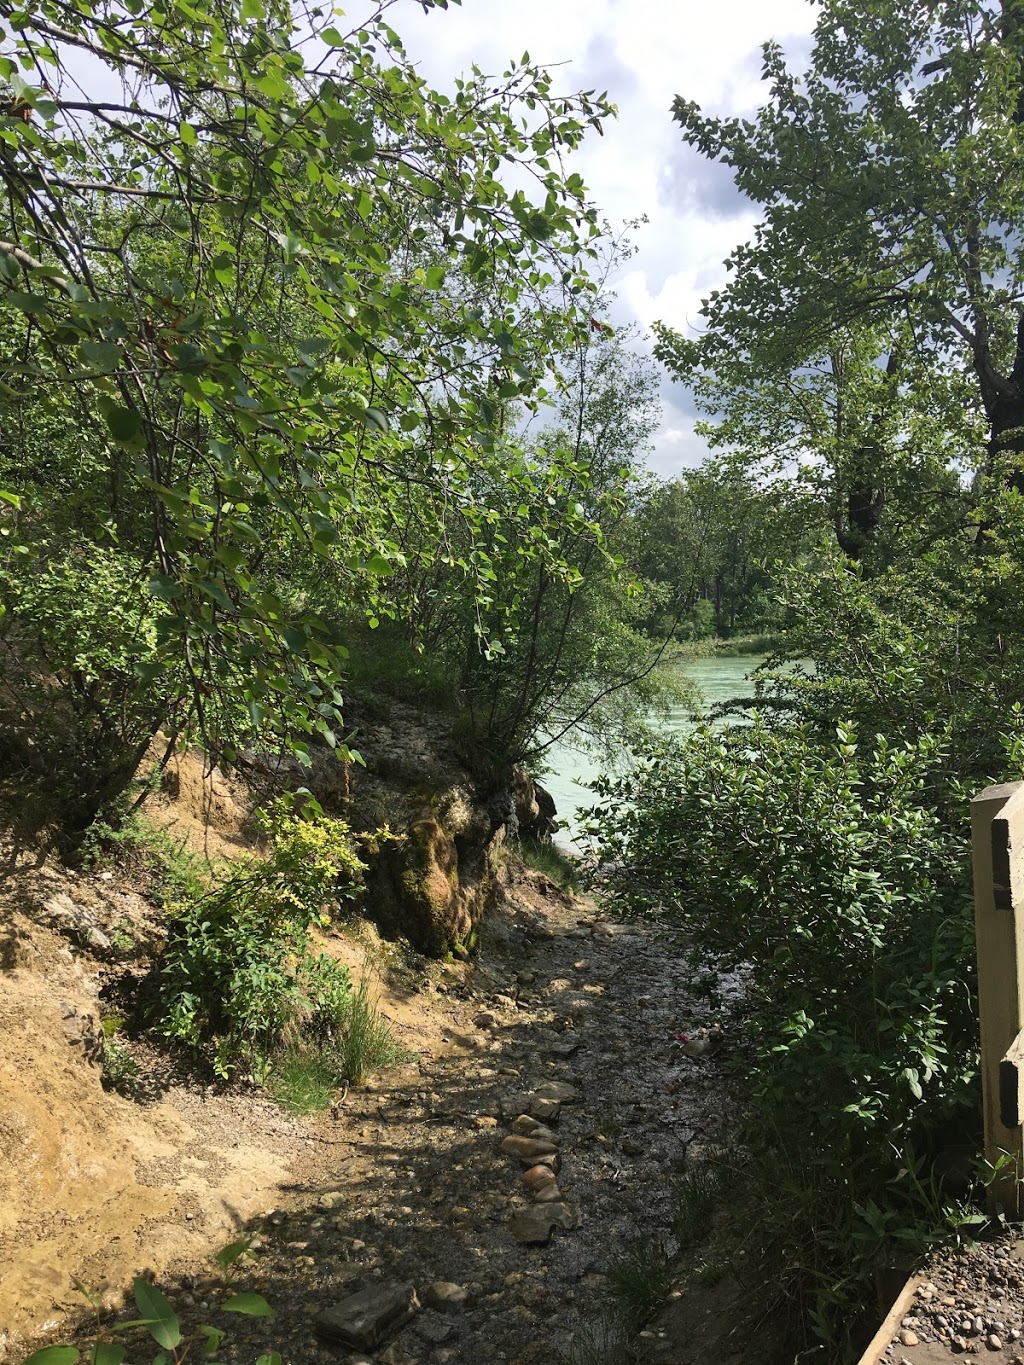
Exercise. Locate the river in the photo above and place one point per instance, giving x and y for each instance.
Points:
(717, 679)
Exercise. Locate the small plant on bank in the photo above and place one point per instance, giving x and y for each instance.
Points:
(158, 1317)
(239, 970)
(560, 868)
(170, 870)
(121, 1072)
(367, 1043)
(640, 1283)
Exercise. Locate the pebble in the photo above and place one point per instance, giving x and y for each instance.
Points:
(909, 1338)
(539, 1176)
(445, 1296)
(993, 1342)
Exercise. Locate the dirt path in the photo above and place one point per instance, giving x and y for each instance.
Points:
(410, 1183)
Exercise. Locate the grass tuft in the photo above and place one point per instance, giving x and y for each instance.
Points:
(607, 1340)
(640, 1283)
(696, 1201)
(304, 1082)
(367, 1043)
(560, 868)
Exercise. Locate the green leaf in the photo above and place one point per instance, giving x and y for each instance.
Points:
(165, 588)
(31, 304)
(159, 1315)
(377, 564)
(53, 1355)
(125, 423)
(271, 1358)
(105, 355)
(252, 1305)
(213, 1336)
(373, 417)
(107, 1353)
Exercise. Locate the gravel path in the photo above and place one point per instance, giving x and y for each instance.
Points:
(968, 1302)
(567, 1017)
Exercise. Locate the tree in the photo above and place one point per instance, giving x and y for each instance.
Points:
(891, 180)
(709, 541)
(228, 235)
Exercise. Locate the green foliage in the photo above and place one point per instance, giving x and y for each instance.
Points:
(127, 839)
(561, 868)
(77, 628)
(927, 647)
(305, 1082)
(239, 965)
(265, 325)
(869, 330)
(157, 1315)
(707, 543)
(367, 1043)
(828, 871)
(121, 1072)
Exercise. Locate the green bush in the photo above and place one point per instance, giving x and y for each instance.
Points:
(239, 967)
(827, 873)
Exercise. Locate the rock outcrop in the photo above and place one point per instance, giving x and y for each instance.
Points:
(437, 876)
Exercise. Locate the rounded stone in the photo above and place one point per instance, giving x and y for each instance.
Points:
(539, 1176)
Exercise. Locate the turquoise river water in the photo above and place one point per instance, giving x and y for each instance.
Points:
(571, 768)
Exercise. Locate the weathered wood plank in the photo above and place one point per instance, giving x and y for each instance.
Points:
(1011, 1077)
(997, 836)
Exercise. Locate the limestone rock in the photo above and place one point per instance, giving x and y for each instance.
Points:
(363, 1320)
(539, 1176)
(556, 1092)
(528, 1149)
(535, 1105)
(533, 1226)
(526, 1125)
(445, 1296)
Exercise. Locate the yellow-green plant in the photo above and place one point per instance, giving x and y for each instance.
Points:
(239, 965)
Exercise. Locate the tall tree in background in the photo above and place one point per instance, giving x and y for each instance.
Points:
(891, 179)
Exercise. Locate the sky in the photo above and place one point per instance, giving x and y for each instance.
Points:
(643, 52)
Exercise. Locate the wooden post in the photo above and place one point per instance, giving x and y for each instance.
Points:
(997, 838)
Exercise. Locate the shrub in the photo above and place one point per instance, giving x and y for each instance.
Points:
(239, 966)
(827, 870)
